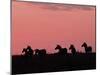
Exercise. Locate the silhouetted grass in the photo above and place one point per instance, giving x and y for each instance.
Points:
(53, 63)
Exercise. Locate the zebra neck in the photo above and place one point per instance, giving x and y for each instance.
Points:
(85, 47)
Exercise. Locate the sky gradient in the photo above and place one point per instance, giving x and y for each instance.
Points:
(43, 25)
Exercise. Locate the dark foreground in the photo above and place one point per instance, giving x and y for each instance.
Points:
(53, 63)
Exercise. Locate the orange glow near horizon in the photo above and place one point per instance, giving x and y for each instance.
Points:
(43, 25)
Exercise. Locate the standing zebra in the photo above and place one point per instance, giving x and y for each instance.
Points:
(88, 49)
(61, 51)
(72, 48)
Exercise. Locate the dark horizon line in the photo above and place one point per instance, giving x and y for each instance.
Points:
(54, 53)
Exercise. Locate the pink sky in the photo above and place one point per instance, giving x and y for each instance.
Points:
(43, 25)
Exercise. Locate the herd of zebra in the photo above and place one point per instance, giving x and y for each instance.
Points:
(61, 51)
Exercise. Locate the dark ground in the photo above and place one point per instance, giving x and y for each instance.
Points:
(53, 63)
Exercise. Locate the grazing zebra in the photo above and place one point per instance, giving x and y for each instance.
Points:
(41, 52)
(88, 49)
